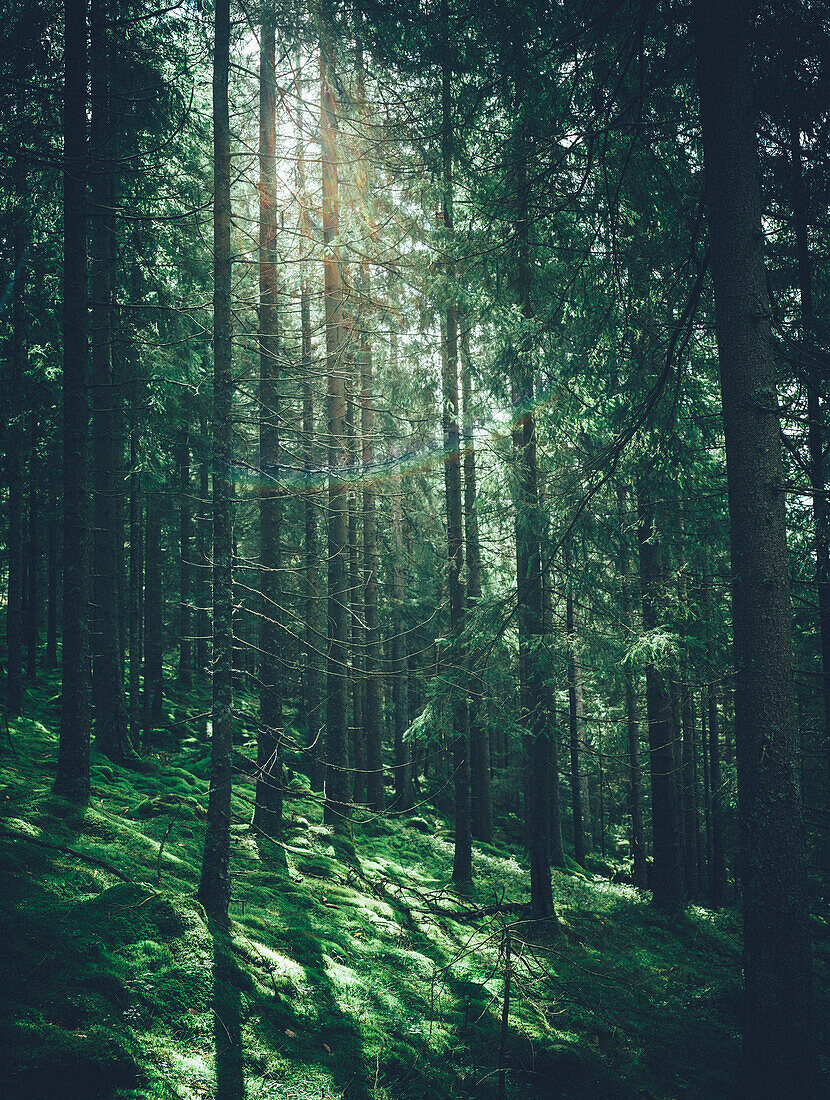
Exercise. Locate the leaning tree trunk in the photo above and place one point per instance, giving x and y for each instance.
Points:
(269, 794)
(215, 881)
(778, 1051)
(72, 777)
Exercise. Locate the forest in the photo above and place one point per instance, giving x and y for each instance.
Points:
(414, 550)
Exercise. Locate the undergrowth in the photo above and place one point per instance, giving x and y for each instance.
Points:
(345, 972)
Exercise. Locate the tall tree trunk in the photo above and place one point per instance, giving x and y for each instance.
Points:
(153, 699)
(778, 1050)
(635, 783)
(812, 367)
(667, 878)
(480, 788)
(32, 624)
(557, 848)
(136, 588)
(14, 434)
(337, 790)
(357, 683)
(185, 564)
(215, 881)
(314, 635)
(269, 793)
(72, 777)
(372, 658)
(707, 789)
(204, 532)
(107, 674)
(53, 562)
(462, 871)
(404, 794)
(718, 877)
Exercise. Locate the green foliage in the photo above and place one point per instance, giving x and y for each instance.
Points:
(341, 974)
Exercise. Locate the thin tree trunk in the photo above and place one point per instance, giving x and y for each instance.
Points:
(778, 1050)
(153, 698)
(337, 789)
(667, 877)
(111, 734)
(356, 619)
(480, 788)
(215, 881)
(72, 777)
(635, 783)
(718, 891)
(54, 562)
(185, 565)
(404, 794)
(204, 530)
(462, 871)
(32, 624)
(269, 793)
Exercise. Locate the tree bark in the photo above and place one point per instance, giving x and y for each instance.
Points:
(185, 563)
(336, 809)
(668, 889)
(480, 786)
(32, 623)
(72, 779)
(153, 698)
(462, 872)
(778, 1050)
(111, 734)
(269, 792)
(635, 782)
(215, 882)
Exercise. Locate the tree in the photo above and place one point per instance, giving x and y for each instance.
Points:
(72, 779)
(778, 1052)
(215, 882)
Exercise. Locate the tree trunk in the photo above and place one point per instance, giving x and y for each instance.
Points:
(215, 882)
(812, 368)
(111, 735)
(462, 871)
(372, 715)
(337, 790)
(356, 619)
(54, 562)
(153, 700)
(667, 879)
(635, 783)
(204, 530)
(269, 792)
(480, 787)
(72, 779)
(185, 564)
(778, 1052)
(717, 894)
(404, 794)
(32, 624)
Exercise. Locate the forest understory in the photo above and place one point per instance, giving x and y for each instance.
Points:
(350, 968)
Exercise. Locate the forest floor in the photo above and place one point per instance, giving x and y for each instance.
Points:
(344, 973)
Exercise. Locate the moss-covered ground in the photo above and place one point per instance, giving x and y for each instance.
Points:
(343, 974)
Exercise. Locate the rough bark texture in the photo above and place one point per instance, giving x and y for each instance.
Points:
(72, 777)
(269, 793)
(337, 790)
(778, 1051)
(356, 621)
(215, 882)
